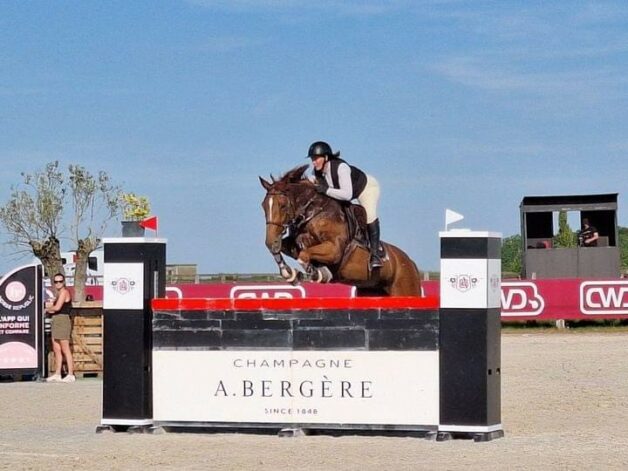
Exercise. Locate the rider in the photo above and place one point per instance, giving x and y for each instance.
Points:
(344, 182)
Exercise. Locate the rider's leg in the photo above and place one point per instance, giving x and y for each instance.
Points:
(369, 199)
(373, 229)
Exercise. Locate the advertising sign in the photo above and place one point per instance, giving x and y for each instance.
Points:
(21, 347)
(551, 299)
(123, 286)
(318, 387)
(571, 299)
(265, 290)
(604, 297)
(470, 283)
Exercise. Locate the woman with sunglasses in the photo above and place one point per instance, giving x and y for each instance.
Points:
(60, 310)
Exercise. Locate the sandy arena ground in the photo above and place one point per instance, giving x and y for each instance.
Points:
(564, 406)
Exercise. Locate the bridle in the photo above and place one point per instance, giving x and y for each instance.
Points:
(298, 218)
(285, 225)
(295, 220)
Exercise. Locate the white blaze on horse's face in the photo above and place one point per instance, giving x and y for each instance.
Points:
(270, 208)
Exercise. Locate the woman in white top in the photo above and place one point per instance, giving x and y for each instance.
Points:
(339, 180)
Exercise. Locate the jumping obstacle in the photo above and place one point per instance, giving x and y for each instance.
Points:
(376, 364)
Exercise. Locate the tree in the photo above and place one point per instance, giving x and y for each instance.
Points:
(33, 216)
(623, 248)
(511, 254)
(95, 202)
(565, 237)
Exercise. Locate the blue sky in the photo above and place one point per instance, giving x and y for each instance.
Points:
(450, 104)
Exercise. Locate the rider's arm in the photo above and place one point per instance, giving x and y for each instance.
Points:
(344, 182)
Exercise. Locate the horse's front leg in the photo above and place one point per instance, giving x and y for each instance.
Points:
(288, 247)
(286, 271)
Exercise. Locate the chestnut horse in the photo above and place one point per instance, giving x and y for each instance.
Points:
(313, 229)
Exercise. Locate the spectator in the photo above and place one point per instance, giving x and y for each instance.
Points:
(60, 310)
(589, 234)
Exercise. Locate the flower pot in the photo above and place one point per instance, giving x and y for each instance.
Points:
(132, 229)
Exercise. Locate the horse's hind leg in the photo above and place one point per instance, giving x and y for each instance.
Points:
(406, 280)
(405, 287)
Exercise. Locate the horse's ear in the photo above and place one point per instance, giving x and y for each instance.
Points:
(265, 184)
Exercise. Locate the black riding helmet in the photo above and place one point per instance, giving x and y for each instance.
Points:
(321, 148)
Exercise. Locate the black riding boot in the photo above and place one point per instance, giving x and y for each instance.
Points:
(376, 259)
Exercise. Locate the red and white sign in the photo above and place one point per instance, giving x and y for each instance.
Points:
(260, 291)
(564, 298)
(559, 298)
(521, 298)
(604, 297)
(267, 292)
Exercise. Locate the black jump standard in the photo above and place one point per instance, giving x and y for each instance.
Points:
(134, 274)
(470, 334)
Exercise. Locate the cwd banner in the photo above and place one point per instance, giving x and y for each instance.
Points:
(551, 299)
(21, 321)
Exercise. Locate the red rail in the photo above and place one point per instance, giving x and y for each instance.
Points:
(227, 304)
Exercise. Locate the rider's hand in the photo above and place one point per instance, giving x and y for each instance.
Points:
(321, 186)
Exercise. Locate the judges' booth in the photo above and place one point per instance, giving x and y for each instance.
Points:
(543, 258)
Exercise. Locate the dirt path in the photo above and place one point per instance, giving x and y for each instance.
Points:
(565, 406)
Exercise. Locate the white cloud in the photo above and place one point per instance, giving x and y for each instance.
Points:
(580, 84)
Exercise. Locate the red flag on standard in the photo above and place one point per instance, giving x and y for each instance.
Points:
(149, 223)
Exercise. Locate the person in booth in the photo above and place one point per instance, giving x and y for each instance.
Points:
(337, 179)
(61, 327)
(588, 235)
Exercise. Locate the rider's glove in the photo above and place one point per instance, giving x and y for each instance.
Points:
(321, 185)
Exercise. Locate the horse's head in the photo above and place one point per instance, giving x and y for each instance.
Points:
(280, 205)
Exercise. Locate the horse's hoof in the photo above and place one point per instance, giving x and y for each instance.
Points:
(324, 275)
(289, 274)
(299, 278)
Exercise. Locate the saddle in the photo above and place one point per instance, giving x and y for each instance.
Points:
(356, 223)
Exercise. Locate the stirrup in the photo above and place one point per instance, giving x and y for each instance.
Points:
(375, 261)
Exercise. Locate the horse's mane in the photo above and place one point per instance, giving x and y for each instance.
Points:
(291, 177)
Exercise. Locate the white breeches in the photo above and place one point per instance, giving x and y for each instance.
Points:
(369, 198)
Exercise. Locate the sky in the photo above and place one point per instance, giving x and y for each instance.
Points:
(449, 104)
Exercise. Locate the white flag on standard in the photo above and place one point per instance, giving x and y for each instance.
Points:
(451, 217)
